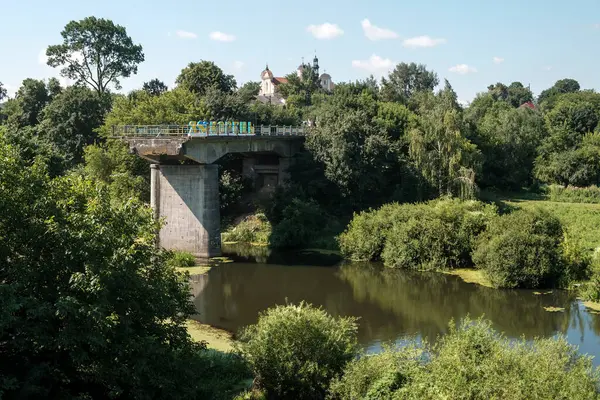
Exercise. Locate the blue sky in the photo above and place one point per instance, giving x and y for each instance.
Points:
(472, 43)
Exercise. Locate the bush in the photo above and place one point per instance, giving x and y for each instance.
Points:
(525, 249)
(377, 376)
(231, 189)
(295, 351)
(573, 194)
(221, 375)
(591, 290)
(181, 259)
(253, 229)
(437, 234)
(474, 362)
(302, 222)
(364, 238)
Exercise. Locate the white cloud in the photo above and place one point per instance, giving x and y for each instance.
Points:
(596, 26)
(42, 58)
(325, 31)
(548, 68)
(186, 35)
(462, 69)
(498, 60)
(10, 90)
(373, 32)
(422, 41)
(463, 103)
(375, 64)
(221, 37)
(237, 65)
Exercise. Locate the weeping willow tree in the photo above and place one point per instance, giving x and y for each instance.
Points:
(445, 157)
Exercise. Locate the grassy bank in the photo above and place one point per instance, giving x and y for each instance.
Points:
(217, 339)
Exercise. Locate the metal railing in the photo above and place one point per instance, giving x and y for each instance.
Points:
(211, 131)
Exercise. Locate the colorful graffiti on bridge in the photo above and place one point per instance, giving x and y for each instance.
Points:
(203, 128)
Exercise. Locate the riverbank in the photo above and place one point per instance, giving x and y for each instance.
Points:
(217, 339)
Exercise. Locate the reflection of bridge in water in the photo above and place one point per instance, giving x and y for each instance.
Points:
(184, 177)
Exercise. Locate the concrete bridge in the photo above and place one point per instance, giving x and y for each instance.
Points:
(184, 177)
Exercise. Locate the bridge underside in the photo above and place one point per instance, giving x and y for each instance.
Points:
(185, 182)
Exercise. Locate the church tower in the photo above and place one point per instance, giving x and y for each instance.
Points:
(316, 65)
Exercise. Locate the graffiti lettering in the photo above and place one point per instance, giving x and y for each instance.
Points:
(209, 128)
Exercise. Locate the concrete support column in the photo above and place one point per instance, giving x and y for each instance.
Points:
(187, 198)
(284, 164)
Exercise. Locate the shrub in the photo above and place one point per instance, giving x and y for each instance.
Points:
(573, 194)
(364, 238)
(523, 249)
(591, 290)
(302, 222)
(221, 375)
(377, 376)
(231, 189)
(436, 234)
(181, 259)
(296, 350)
(439, 234)
(253, 229)
(472, 361)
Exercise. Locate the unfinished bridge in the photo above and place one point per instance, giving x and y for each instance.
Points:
(184, 180)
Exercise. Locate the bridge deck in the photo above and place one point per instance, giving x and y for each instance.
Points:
(225, 130)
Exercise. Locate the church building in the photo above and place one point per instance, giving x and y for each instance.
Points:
(268, 84)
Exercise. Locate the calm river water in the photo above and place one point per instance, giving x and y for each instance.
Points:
(391, 304)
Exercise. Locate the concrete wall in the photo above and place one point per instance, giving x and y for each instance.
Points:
(187, 197)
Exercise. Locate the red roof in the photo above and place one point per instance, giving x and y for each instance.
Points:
(529, 104)
(278, 80)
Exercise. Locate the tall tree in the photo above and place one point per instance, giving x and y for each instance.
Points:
(155, 87)
(198, 77)
(560, 87)
(407, 79)
(96, 52)
(3, 92)
(440, 150)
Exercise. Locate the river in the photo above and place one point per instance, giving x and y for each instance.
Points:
(391, 304)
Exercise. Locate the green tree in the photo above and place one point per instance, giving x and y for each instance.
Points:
(508, 138)
(407, 79)
(75, 315)
(155, 87)
(178, 106)
(199, 77)
(3, 92)
(249, 91)
(26, 108)
(515, 94)
(71, 120)
(560, 87)
(96, 52)
(439, 148)
(299, 90)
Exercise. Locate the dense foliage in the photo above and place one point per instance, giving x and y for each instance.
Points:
(437, 234)
(528, 249)
(472, 361)
(77, 272)
(296, 350)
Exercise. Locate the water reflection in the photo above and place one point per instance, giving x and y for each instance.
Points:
(389, 303)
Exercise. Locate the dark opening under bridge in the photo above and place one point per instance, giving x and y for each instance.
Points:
(186, 195)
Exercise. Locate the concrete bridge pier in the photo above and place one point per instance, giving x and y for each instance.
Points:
(187, 198)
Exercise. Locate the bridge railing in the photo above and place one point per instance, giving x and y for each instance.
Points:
(204, 131)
